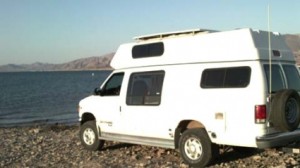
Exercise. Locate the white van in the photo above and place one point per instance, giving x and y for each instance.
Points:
(196, 90)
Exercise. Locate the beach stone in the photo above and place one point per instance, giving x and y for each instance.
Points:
(34, 130)
(59, 146)
(256, 158)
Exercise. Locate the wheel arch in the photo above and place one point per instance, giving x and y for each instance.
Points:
(87, 117)
(184, 125)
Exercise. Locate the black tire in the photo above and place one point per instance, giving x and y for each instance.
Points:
(285, 114)
(89, 136)
(196, 148)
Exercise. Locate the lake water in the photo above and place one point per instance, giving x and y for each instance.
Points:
(28, 98)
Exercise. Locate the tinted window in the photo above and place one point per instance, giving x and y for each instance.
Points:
(292, 76)
(145, 88)
(226, 77)
(277, 77)
(113, 85)
(148, 50)
(212, 78)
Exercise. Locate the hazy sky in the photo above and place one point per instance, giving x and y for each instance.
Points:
(58, 31)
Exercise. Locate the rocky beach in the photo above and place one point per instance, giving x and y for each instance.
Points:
(59, 146)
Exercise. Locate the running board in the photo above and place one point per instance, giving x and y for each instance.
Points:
(165, 143)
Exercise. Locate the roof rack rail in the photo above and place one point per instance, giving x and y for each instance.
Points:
(176, 33)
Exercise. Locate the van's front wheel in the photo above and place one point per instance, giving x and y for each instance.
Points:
(196, 148)
(89, 136)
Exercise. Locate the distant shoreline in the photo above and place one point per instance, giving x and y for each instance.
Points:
(90, 63)
(74, 70)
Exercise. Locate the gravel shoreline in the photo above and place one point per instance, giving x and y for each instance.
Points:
(59, 146)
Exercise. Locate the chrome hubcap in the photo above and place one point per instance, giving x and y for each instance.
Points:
(89, 136)
(193, 148)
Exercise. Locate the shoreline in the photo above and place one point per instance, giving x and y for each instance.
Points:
(40, 123)
(71, 70)
(59, 145)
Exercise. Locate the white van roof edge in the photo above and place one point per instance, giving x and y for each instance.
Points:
(174, 33)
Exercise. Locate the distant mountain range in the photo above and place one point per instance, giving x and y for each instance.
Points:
(293, 41)
(103, 62)
(90, 63)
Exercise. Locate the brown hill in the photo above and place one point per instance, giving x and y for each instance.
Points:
(90, 63)
(293, 41)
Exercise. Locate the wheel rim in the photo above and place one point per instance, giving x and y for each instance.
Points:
(291, 110)
(193, 148)
(89, 136)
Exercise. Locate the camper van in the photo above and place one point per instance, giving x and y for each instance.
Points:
(197, 90)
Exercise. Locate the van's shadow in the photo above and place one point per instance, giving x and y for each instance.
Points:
(232, 155)
(117, 146)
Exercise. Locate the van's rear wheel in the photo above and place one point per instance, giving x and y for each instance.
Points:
(89, 136)
(286, 110)
(196, 148)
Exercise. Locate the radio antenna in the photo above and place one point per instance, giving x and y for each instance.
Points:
(270, 49)
(270, 67)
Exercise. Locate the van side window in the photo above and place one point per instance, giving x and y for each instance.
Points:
(292, 76)
(145, 88)
(277, 77)
(148, 50)
(113, 85)
(233, 77)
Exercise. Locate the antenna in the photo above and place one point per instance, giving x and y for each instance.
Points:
(270, 68)
(270, 54)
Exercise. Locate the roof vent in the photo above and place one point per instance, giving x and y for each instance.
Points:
(276, 53)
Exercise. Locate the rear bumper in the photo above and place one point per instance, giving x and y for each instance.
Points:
(278, 139)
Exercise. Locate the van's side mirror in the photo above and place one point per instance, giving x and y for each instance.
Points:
(97, 91)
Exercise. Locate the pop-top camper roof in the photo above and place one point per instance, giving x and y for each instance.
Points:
(159, 36)
(201, 46)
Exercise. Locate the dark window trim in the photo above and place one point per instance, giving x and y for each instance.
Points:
(287, 77)
(281, 76)
(224, 78)
(148, 50)
(145, 73)
(105, 85)
(284, 75)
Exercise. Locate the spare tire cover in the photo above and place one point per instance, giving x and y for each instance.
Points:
(285, 110)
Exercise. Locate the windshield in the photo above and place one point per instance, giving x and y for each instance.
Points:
(288, 73)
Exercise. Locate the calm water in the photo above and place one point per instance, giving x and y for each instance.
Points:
(28, 98)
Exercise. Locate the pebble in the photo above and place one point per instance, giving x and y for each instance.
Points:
(256, 158)
(60, 146)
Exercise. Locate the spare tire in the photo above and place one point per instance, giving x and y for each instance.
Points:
(285, 110)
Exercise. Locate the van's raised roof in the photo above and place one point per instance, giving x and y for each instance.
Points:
(174, 33)
(201, 46)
